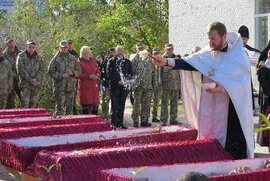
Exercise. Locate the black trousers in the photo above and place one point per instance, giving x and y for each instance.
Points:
(236, 143)
(118, 100)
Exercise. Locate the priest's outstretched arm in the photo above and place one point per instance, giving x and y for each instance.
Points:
(176, 63)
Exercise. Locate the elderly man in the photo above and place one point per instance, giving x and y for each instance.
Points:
(10, 53)
(6, 80)
(222, 109)
(64, 69)
(30, 69)
(119, 71)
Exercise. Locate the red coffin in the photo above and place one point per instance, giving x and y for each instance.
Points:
(47, 120)
(215, 171)
(86, 164)
(20, 153)
(23, 111)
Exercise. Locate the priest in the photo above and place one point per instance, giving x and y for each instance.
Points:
(217, 98)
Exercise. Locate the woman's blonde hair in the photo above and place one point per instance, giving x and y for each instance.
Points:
(85, 48)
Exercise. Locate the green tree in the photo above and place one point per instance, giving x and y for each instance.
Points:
(97, 23)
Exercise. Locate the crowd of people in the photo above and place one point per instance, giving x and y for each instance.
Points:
(92, 81)
(219, 111)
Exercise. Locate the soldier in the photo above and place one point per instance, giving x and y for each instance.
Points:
(170, 83)
(6, 80)
(10, 53)
(30, 69)
(64, 69)
(145, 78)
(156, 90)
(71, 50)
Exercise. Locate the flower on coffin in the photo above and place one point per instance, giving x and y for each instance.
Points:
(242, 169)
(267, 164)
(144, 54)
(49, 168)
(101, 137)
(11, 120)
(83, 152)
(138, 171)
(158, 128)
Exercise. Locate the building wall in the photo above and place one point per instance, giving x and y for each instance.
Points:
(188, 20)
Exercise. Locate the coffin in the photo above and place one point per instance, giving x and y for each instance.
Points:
(216, 171)
(47, 120)
(56, 129)
(20, 153)
(22, 111)
(86, 164)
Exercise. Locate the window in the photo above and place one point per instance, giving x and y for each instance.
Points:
(262, 23)
(262, 6)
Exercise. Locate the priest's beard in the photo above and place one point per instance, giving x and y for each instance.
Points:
(217, 47)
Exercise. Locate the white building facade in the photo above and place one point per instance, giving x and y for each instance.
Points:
(188, 20)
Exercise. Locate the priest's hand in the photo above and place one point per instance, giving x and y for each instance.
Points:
(158, 60)
(218, 89)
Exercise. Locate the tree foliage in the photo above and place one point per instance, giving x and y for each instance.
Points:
(100, 24)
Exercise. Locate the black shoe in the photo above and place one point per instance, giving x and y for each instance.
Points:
(145, 124)
(174, 122)
(155, 120)
(121, 127)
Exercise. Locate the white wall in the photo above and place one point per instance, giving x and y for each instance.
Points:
(188, 20)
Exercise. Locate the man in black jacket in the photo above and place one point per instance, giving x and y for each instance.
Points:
(120, 72)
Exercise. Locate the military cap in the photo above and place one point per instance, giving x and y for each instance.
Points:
(30, 42)
(8, 39)
(64, 43)
(140, 45)
(168, 45)
(156, 49)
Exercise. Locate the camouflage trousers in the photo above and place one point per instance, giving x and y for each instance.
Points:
(12, 95)
(105, 102)
(29, 97)
(3, 100)
(64, 102)
(142, 105)
(166, 96)
(155, 98)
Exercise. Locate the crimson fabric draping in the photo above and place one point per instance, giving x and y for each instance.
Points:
(107, 176)
(56, 129)
(85, 165)
(19, 157)
(24, 115)
(258, 175)
(49, 120)
(23, 111)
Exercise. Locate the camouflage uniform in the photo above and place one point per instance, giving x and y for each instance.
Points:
(64, 88)
(145, 80)
(6, 80)
(156, 94)
(11, 56)
(29, 67)
(170, 84)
